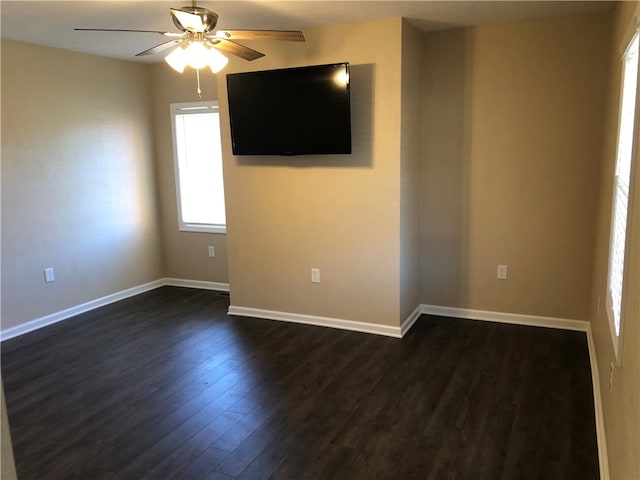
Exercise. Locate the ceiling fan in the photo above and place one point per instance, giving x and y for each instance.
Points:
(198, 45)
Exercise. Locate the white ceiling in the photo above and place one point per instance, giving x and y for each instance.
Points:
(51, 22)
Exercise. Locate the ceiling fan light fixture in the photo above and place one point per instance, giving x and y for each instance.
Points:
(216, 60)
(196, 55)
(177, 59)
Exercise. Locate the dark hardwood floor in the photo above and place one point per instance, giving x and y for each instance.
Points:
(166, 385)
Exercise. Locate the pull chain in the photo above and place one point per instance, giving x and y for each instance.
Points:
(198, 91)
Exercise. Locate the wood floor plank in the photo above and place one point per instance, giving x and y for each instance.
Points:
(167, 385)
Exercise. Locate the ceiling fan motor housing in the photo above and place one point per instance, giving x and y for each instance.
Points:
(209, 19)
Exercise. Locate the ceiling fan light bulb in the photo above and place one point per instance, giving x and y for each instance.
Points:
(177, 59)
(196, 55)
(216, 60)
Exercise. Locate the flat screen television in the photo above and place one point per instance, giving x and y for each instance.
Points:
(291, 111)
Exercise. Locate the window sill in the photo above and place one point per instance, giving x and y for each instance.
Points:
(190, 227)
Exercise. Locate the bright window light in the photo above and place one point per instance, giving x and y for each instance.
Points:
(198, 167)
(622, 180)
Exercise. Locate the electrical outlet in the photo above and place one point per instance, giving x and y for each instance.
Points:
(315, 275)
(502, 272)
(212, 251)
(49, 275)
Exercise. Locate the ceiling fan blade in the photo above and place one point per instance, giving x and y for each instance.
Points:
(161, 47)
(188, 20)
(230, 46)
(287, 35)
(166, 34)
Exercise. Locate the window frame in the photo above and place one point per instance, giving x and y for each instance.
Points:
(616, 337)
(185, 108)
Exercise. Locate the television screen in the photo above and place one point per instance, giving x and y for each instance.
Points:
(292, 111)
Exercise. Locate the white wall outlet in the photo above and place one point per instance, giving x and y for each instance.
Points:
(315, 275)
(49, 275)
(212, 251)
(502, 272)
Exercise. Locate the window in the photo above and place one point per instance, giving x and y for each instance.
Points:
(197, 157)
(622, 181)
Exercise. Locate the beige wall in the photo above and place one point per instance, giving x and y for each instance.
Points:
(78, 184)
(444, 225)
(341, 213)
(185, 254)
(512, 129)
(410, 161)
(621, 405)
